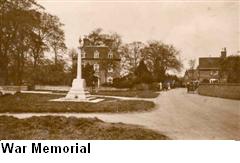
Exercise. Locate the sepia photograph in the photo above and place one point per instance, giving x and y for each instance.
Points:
(119, 70)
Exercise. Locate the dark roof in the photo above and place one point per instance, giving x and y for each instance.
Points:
(209, 63)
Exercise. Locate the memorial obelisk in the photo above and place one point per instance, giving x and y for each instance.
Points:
(78, 90)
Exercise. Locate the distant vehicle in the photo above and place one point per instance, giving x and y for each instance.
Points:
(212, 81)
(192, 86)
(7, 90)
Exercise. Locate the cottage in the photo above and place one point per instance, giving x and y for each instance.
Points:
(209, 67)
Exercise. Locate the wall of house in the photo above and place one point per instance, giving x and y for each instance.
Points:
(101, 73)
(206, 74)
(67, 88)
(226, 90)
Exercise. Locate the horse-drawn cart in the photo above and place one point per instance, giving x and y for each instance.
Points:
(192, 86)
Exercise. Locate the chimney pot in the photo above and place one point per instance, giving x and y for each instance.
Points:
(224, 52)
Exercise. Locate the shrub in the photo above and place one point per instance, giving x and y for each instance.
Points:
(141, 87)
(231, 67)
(143, 75)
(205, 81)
(122, 83)
(154, 86)
(107, 85)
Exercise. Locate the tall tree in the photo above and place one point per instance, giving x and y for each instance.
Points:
(48, 35)
(112, 40)
(160, 58)
(57, 38)
(56, 74)
(230, 67)
(131, 56)
(143, 75)
(26, 32)
(191, 64)
(18, 18)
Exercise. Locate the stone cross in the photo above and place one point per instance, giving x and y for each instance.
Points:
(78, 91)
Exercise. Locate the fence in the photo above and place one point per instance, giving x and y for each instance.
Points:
(67, 88)
(14, 88)
(51, 88)
(226, 90)
(7, 89)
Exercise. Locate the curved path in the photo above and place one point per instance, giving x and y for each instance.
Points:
(179, 115)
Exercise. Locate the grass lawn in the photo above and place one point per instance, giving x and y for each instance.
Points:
(36, 103)
(55, 127)
(141, 94)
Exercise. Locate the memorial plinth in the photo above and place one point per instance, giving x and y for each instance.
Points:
(78, 90)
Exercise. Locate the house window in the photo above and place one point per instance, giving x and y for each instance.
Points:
(96, 67)
(110, 54)
(96, 54)
(110, 80)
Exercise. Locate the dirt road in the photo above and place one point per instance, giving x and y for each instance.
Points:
(180, 115)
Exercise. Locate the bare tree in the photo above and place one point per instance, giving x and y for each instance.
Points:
(192, 63)
(47, 35)
(57, 38)
(131, 56)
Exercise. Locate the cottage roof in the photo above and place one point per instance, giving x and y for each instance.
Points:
(209, 63)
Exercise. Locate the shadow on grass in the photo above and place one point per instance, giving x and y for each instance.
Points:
(56, 127)
(39, 103)
(140, 94)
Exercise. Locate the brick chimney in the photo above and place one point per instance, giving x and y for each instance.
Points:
(224, 53)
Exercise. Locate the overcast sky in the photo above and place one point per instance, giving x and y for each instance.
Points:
(198, 29)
